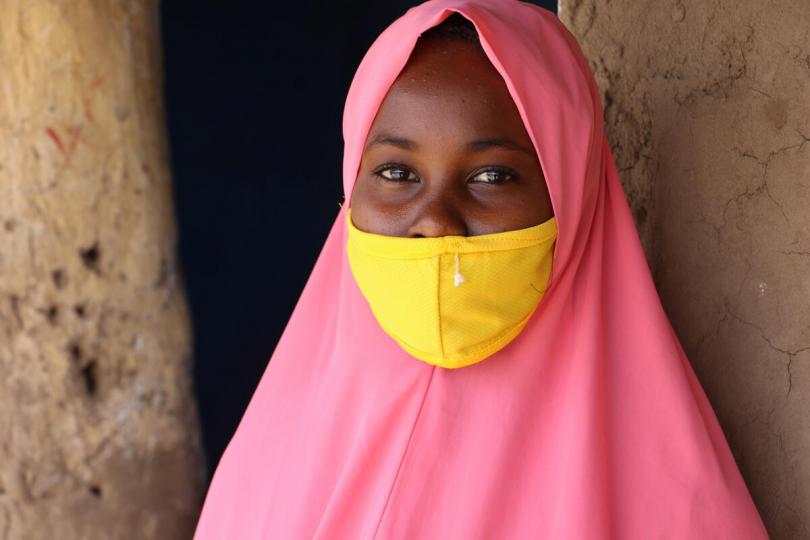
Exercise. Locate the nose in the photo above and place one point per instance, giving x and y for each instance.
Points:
(437, 219)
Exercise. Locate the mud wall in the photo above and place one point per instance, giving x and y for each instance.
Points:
(98, 430)
(707, 108)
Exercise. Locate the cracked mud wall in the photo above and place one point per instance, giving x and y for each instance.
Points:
(707, 108)
(98, 431)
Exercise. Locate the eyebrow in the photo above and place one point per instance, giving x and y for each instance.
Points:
(501, 142)
(399, 142)
(472, 146)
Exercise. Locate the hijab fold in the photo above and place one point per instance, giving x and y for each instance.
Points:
(591, 424)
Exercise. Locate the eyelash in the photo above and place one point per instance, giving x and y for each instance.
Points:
(512, 175)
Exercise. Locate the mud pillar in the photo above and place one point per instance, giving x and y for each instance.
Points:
(98, 431)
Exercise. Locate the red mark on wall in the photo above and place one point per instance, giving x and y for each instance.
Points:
(69, 149)
(87, 99)
(56, 139)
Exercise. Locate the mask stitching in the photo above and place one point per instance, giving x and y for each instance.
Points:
(439, 305)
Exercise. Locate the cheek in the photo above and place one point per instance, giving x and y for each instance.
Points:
(368, 213)
(510, 207)
(534, 206)
(359, 204)
(382, 209)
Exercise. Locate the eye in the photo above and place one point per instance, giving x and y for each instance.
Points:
(394, 172)
(493, 176)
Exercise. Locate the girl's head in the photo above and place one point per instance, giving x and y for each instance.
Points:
(447, 153)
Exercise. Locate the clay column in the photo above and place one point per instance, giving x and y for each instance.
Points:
(98, 431)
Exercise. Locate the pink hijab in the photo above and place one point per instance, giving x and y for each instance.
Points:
(590, 424)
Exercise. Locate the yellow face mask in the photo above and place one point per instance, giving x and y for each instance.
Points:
(452, 301)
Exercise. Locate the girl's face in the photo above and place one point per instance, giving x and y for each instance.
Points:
(447, 153)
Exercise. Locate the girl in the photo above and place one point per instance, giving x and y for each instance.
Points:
(479, 351)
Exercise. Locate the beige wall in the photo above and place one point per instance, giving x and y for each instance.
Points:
(708, 113)
(98, 430)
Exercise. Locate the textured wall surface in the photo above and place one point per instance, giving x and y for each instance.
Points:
(98, 430)
(708, 113)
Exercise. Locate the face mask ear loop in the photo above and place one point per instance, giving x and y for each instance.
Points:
(458, 279)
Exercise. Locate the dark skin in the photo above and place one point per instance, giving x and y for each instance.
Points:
(447, 153)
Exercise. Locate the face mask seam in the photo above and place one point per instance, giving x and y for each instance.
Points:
(439, 305)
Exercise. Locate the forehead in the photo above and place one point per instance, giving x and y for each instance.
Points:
(448, 86)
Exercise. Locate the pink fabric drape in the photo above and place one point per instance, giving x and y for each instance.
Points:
(591, 424)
